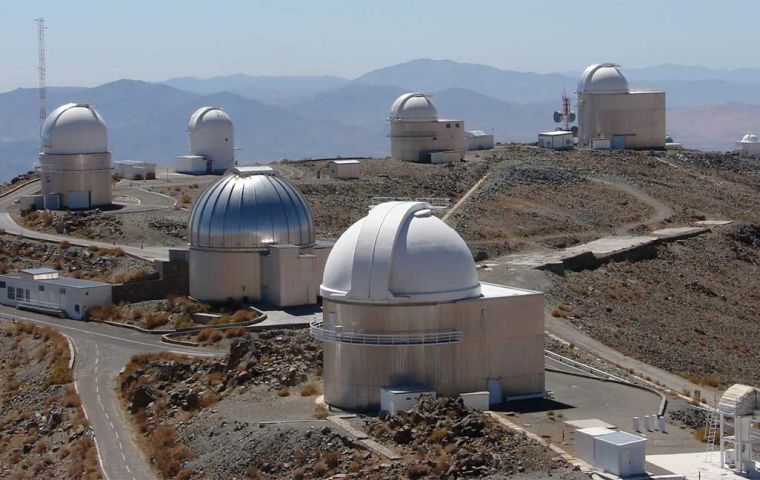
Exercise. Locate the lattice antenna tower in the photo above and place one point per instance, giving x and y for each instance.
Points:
(41, 68)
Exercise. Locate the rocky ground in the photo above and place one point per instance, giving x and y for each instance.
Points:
(78, 262)
(90, 224)
(692, 310)
(253, 414)
(441, 438)
(43, 429)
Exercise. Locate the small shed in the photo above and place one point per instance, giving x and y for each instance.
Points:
(556, 140)
(445, 156)
(344, 169)
(191, 164)
(135, 169)
(584, 442)
(601, 143)
(43, 290)
(478, 140)
(476, 400)
(401, 399)
(620, 453)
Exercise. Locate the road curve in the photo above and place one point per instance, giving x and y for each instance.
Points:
(10, 226)
(100, 353)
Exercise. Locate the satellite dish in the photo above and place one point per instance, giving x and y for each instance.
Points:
(574, 129)
(571, 117)
(557, 117)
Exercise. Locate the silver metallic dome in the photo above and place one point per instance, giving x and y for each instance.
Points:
(250, 208)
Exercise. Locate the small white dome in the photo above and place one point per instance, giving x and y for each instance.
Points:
(74, 128)
(603, 78)
(749, 138)
(209, 117)
(400, 252)
(413, 107)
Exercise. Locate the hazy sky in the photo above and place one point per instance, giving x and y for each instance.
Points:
(92, 42)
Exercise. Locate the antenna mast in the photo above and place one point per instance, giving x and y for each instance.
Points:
(41, 68)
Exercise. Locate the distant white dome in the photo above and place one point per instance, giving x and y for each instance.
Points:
(603, 78)
(413, 107)
(749, 138)
(209, 117)
(400, 252)
(74, 128)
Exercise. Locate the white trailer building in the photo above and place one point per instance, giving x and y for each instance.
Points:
(135, 169)
(344, 169)
(557, 140)
(478, 140)
(43, 290)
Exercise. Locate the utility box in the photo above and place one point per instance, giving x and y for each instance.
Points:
(476, 400)
(557, 140)
(401, 399)
(344, 169)
(620, 453)
(600, 144)
(447, 156)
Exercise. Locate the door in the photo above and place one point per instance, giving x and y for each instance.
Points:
(618, 142)
(625, 463)
(494, 391)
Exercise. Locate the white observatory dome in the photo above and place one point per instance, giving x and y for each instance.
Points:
(74, 128)
(400, 252)
(212, 136)
(413, 107)
(749, 138)
(250, 208)
(209, 118)
(603, 78)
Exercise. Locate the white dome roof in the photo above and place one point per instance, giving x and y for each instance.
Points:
(74, 128)
(413, 107)
(400, 252)
(205, 117)
(603, 78)
(749, 138)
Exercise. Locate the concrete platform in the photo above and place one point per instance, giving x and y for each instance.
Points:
(714, 223)
(590, 423)
(695, 466)
(678, 233)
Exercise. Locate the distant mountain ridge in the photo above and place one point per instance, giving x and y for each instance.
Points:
(313, 116)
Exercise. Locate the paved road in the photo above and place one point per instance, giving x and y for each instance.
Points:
(10, 226)
(101, 351)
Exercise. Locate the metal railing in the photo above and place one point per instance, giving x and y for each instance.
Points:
(583, 367)
(337, 334)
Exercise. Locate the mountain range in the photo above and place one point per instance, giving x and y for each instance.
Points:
(300, 117)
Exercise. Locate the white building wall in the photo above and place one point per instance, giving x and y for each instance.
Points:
(194, 164)
(480, 142)
(344, 170)
(63, 175)
(411, 141)
(503, 338)
(51, 295)
(219, 275)
(639, 116)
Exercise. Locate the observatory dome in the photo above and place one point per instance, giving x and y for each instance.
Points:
(211, 118)
(400, 252)
(749, 138)
(74, 128)
(603, 78)
(250, 208)
(413, 107)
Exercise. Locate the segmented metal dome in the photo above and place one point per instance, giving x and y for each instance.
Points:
(250, 208)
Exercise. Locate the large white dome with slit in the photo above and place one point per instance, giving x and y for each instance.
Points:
(603, 78)
(413, 107)
(400, 252)
(74, 128)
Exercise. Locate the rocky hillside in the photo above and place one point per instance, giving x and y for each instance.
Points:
(43, 430)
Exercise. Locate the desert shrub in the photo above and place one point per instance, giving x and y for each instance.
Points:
(310, 389)
(438, 435)
(235, 332)
(185, 198)
(283, 392)
(320, 412)
(243, 316)
(418, 470)
(167, 453)
(133, 275)
(108, 312)
(299, 474)
(209, 335)
(64, 244)
(252, 472)
(332, 459)
(71, 399)
(319, 469)
(155, 319)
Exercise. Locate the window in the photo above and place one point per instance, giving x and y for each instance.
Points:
(20, 293)
(63, 291)
(26, 293)
(41, 288)
(76, 307)
(456, 125)
(11, 293)
(448, 125)
(2, 284)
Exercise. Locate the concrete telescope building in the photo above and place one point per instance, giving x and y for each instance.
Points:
(417, 135)
(251, 238)
(75, 164)
(609, 109)
(212, 143)
(403, 307)
(749, 144)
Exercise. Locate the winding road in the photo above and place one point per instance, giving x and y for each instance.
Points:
(101, 351)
